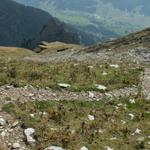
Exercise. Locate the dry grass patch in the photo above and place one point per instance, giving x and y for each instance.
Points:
(81, 76)
(66, 123)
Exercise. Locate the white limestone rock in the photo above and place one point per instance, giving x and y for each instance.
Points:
(84, 148)
(91, 118)
(114, 65)
(132, 101)
(109, 148)
(54, 148)
(32, 115)
(137, 131)
(104, 73)
(15, 124)
(16, 146)
(132, 116)
(101, 87)
(29, 135)
(91, 94)
(64, 85)
(2, 121)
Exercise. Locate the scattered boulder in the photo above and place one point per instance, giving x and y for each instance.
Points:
(32, 115)
(131, 115)
(16, 146)
(132, 101)
(91, 118)
(91, 95)
(123, 122)
(54, 148)
(15, 124)
(114, 66)
(113, 138)
(109, 148)
(101, 87)
(31, 95)
(2, 121)
(90, 67)
(104, 73)
(84, 148)
(137, 131)
(64, 85)
(29, 135)
(3, 134)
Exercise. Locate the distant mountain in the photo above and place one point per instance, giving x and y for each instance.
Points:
(18, 22)
(79, 13)
(26, 26)
(101, 18)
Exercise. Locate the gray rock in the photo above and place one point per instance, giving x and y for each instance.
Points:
(64, 85)
(29, 135)
(54, 148)
(91, 94)
(101, 87)
(84, 148)
(2, 121)
(15, 124)
(16, 146)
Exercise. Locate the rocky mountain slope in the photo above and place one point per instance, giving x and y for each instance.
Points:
(133, 47)
(70, 97)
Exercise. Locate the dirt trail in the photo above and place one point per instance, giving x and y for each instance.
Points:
(9, 93)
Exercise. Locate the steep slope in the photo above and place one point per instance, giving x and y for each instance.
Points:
(131, 41)
(18, 22)
(27, 26)
(78, 13)
(134, 48)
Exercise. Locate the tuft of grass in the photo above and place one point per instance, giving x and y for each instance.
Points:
(79, 76)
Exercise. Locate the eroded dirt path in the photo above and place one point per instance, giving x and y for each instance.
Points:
(9, 93)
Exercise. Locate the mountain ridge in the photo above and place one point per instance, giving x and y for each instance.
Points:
(118, 17)
(26, 26)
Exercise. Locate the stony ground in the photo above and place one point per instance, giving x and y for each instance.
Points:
(105, 106)
(13, 130)
(146, 83)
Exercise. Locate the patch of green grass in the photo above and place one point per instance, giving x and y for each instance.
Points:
(61, 119)
(9, 107)
(80, 76)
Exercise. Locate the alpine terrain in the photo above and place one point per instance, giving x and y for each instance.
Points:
(59, 93)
